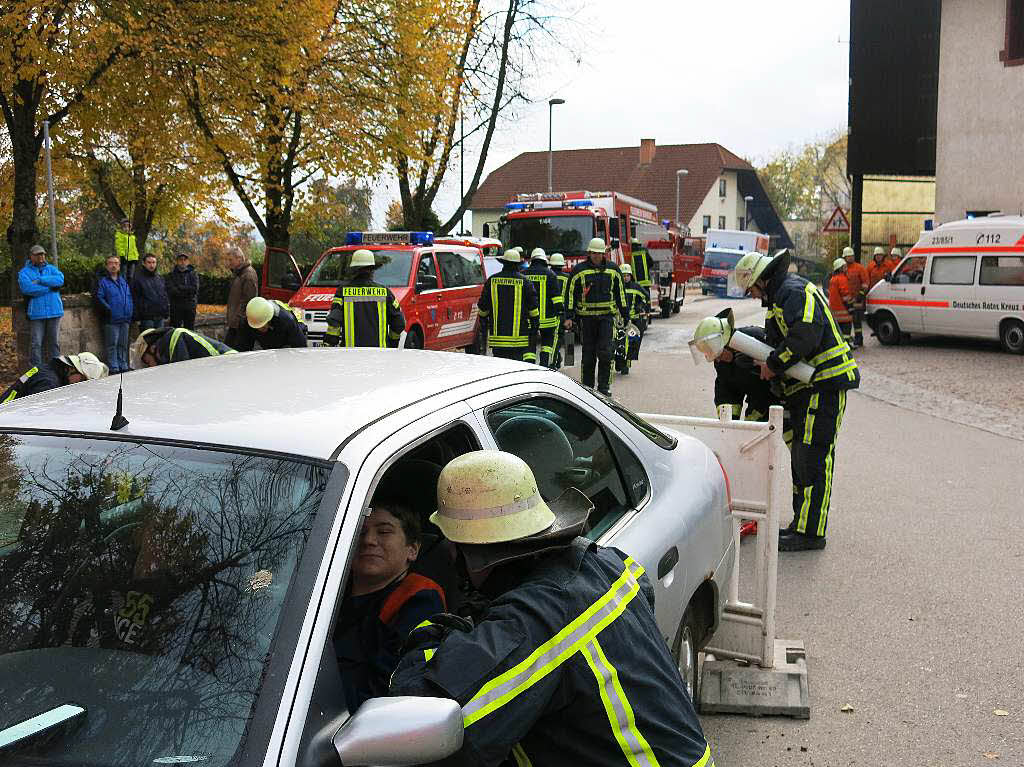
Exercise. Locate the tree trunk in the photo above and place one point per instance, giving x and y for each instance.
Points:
(23, 233)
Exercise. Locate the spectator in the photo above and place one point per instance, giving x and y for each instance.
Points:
(115, 298)
(40, 283)
(126, 249)
(149, 296)
(183, 291)
(244, 288)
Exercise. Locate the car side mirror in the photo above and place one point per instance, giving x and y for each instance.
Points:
(392, 732)
(424, 282)
(615, 243)
(487, 230)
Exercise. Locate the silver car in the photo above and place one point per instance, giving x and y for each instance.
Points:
(169, 589)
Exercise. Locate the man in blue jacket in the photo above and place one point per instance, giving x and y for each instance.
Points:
(115, 298)
(40, 283)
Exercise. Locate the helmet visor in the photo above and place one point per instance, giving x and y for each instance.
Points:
(707, 348)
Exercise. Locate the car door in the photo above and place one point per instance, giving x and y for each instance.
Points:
(947, 295)
(280, 277)
(905, 294)
(427, 300)
(454, 308)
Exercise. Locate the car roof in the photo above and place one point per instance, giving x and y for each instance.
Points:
(303, 402)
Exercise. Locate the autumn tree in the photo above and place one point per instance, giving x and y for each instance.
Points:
(809, 181)
(323, 218)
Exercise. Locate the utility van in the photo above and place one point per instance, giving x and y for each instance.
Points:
(965, 278)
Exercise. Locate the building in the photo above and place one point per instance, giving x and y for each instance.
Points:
(712, 194)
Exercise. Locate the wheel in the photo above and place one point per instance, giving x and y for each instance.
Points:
(676, 307)
(684, 650)
(414, 339)
(1011, 336)
(888, 330)
(666, 309)
(477, 346)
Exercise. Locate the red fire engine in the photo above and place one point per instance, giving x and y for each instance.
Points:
(675, 259)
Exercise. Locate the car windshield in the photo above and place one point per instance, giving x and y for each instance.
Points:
(392, 271)
(143, 583)
(556, 234)
(652, 432)
(714, 260)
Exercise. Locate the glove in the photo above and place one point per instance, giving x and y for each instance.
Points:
(435, 631)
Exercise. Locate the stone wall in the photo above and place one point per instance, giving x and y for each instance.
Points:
(81, 330)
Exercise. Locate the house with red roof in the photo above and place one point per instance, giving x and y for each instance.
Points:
(711, 194)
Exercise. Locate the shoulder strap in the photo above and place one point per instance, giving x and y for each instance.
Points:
(411, 584)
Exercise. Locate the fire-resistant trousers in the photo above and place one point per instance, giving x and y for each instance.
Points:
(858, 326)
(816, 417)
(517, 353)
(548, 338)
(596, 336)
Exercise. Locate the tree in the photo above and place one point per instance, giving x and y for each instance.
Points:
(325, 216)
(395, 220)
(808, 182)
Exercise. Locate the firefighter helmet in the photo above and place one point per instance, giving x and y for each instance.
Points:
(146, 339)
(750, 268)
(847, 252)
(361, 257)
(259, 312)
(597, 246)
(626, 269)
(87, 364)
(896, 252)
(538, 253)
(879, 251)
(711, 336)
(838, 264)
(511, 256)
(557, 259)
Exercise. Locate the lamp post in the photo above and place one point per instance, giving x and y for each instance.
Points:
(746, 201)
(551, 103)
(679, 175)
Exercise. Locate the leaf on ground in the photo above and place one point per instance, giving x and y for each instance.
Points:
(847, 708)
(990, 754)
(1001, 712)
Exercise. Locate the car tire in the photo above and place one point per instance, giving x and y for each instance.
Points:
(685, 653)
(414, 339)
(888, 330)
(477, 347)
(666, 309)
(1011, 336)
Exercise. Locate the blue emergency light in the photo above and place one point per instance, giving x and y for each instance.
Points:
(515, 206)
(389, 238)
(580, 203)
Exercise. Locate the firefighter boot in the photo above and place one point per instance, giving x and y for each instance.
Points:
(799, 542)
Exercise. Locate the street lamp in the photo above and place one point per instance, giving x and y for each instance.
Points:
(551, 103)
(679, 174)
(746, 201)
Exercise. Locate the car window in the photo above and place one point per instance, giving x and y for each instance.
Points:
(565, 448)
(427, 268)
(1002, 270)
(953, 270)
(144, 583)
(632, 468)
(911, 271)
(451, 270)
(653, 433)
(472, 271)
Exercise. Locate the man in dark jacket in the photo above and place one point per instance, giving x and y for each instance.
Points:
(60, 371)
(508, 310)
(162, 346)
(549, 302)
(183, 292)
(114, 297)
(564, 663)
(364, 313)
(149, 295)
(272, 325)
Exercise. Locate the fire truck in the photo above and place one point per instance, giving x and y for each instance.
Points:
(565, 222)
(437, 285)
(676, 258)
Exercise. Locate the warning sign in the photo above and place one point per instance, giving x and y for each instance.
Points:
(837, 222)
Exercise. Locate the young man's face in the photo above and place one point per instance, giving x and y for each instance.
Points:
(627, 277)
(113, 266)
(384, 553)
(150, 263)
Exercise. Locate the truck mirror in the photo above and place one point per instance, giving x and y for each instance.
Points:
(487, 230)
(615, 243)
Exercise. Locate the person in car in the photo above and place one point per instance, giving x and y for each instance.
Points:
(565, 663)
(60, 371)
(384, 601)
(165, 345)
(272, 325)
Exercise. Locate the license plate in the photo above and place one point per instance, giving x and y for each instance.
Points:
(316, 344)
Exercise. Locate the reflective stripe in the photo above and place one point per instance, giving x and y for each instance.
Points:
(785, 355)
(557, 650)
(838, 370)
(24, 379)
(522, 760)
(809, 291)
(195, 337)
(428, 653)
(706, 760)
(424, 624)
(517, 307)
(809, 422)
(835, 351)
(494, 511)
(801, 524)
(829, 467)
(620, 714)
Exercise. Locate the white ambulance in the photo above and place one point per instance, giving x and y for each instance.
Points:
(965, 278)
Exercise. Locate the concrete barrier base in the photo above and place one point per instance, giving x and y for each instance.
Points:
(734, 687)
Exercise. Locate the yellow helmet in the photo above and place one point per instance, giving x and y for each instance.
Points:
(258, 312)
(711, 336)
(511, 256)
(750, 268)
(838, 264)
(539, 253)
(626, 269)
(597, 246)
(489, 496)
(557, 259)
(362, 257)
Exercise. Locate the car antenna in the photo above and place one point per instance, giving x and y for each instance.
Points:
(119, 421)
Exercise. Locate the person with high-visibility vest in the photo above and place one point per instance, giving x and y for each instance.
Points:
(126, 249)
(549, 303)
(272, 325)
(641, 267)
(858, 278)
(596, 295)
(509, 315)
(557, 264)
(162, 346)
(638, 301)
(800, 327)
(60, 371)
(840, 298)
(364, 313)
(563, 661)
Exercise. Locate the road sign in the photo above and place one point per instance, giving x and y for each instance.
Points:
(837, 222)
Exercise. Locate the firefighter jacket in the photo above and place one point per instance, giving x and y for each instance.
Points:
(180, 344)
(125, 246)
(637, 301)
(741, 378)
(858, 278)
(364, 313)
(642, 268)
(801, 327)
(596, 291)
(35, 380)
(508, 309)
(563, 288)
(549, 296)
(839, 297)
(877, 271)
(285, 331)
(566, 666)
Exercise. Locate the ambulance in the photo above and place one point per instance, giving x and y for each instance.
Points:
(722, 251)
(436, 284)
(965, 278)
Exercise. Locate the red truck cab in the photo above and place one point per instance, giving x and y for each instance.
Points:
(437, 285)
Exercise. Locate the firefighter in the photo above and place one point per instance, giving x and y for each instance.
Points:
(840, 299)
(858, 278)
(596, 295)
(638, 301)
(895, 256)
(642, 267)
(737, 376)
(509, 315)
(162, 346)
(800, 326)
(60, 371)
(549, 302)
(557, 263)
(564, 662)
(364, 313)
(878, 268)
(271, 324)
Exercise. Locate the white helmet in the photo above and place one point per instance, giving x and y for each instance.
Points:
(626, 269)
(749, 269)
(510, 256)
(87, 364)
(597, 246)
(361, 257)
(847, 252)
(258, 312)
(539, 253)
(896, 252)
(557, 259)
(879, 251)
(838, 264)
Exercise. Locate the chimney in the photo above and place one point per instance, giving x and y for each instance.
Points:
(647, 150)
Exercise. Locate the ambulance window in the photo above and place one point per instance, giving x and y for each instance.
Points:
(451, 270)
(911, 271)
(1002, 270)
(953, 270)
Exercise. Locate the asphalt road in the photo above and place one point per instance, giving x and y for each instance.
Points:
(913, 614)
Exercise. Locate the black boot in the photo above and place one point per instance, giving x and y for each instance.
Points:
(800, 542)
